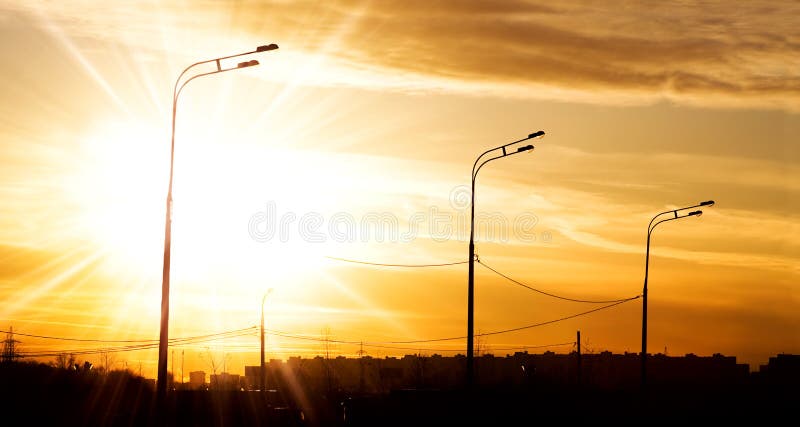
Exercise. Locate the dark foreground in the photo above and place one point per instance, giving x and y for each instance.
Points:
(39, 395)
(528, 407)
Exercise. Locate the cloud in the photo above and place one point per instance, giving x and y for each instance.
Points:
(708, 53)
(746, 55)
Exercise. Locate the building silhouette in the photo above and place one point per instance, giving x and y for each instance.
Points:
(197, 380)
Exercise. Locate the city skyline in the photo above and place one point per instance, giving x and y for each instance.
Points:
(375, 111)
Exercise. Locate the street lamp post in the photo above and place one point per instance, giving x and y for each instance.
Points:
(262, 373)
(502, 151)
(161, 387)
(650, 228)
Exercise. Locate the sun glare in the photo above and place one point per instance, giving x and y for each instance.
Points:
(121, 190)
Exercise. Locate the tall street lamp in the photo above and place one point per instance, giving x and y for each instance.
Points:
(262, 374)
(650, 228)
(501, 151)
(161, 387)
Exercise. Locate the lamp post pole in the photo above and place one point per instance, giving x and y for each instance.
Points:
(650, 228)
(262, 373)
(163, 343)
(503, 152)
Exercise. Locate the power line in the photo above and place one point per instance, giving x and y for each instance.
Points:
(111, 349)
(247, 331)
(91, 350)
(379, 343)
(489, 348)
(518, 328)
(308, 338)
(146, 346)
(557, 320)
(532, 346)
(128, 341)
(549, 294)
(432, 349)
(483, 264)
(354, 261)
(119, 349)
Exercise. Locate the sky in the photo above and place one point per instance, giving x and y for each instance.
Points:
(354, 140)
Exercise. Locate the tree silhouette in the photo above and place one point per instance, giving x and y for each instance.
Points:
(64, 361)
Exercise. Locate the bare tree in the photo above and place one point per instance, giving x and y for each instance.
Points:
(107, 360)
(64, 361)
(586, 348)
(226, 357)
(211, 361)
(479, 344)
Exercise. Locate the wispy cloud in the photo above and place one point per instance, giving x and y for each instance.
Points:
(710, 53)
(747, 53)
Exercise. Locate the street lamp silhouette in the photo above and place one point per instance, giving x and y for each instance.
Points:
(503, 152)
(262, 374)
(161, 387)
(650, 228)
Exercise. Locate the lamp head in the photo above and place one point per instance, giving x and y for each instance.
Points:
(695, 213)
(246, 64)
(266, 47)
(707, 203)
(525, 148)
(536, 134)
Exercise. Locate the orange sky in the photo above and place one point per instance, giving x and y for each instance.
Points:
(375, 111)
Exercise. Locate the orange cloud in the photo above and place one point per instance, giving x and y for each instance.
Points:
(711, 54)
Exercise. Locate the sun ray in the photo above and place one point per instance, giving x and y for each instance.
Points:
(394, 324)
(79, 261)
(310, 65)
(76, 54)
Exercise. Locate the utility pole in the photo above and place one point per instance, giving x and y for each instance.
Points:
(501, 151)
(580, 367)
(327, 361)
(163, 342)
(9, 347)
(262, 371)
(650, 228)
(361, 362)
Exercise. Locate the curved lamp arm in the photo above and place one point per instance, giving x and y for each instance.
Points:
(263, 48)
(221, 70)
(504, 153)
(675, 212)
(652, 227)
(176, 91)
(519, 150)
(693, 213)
